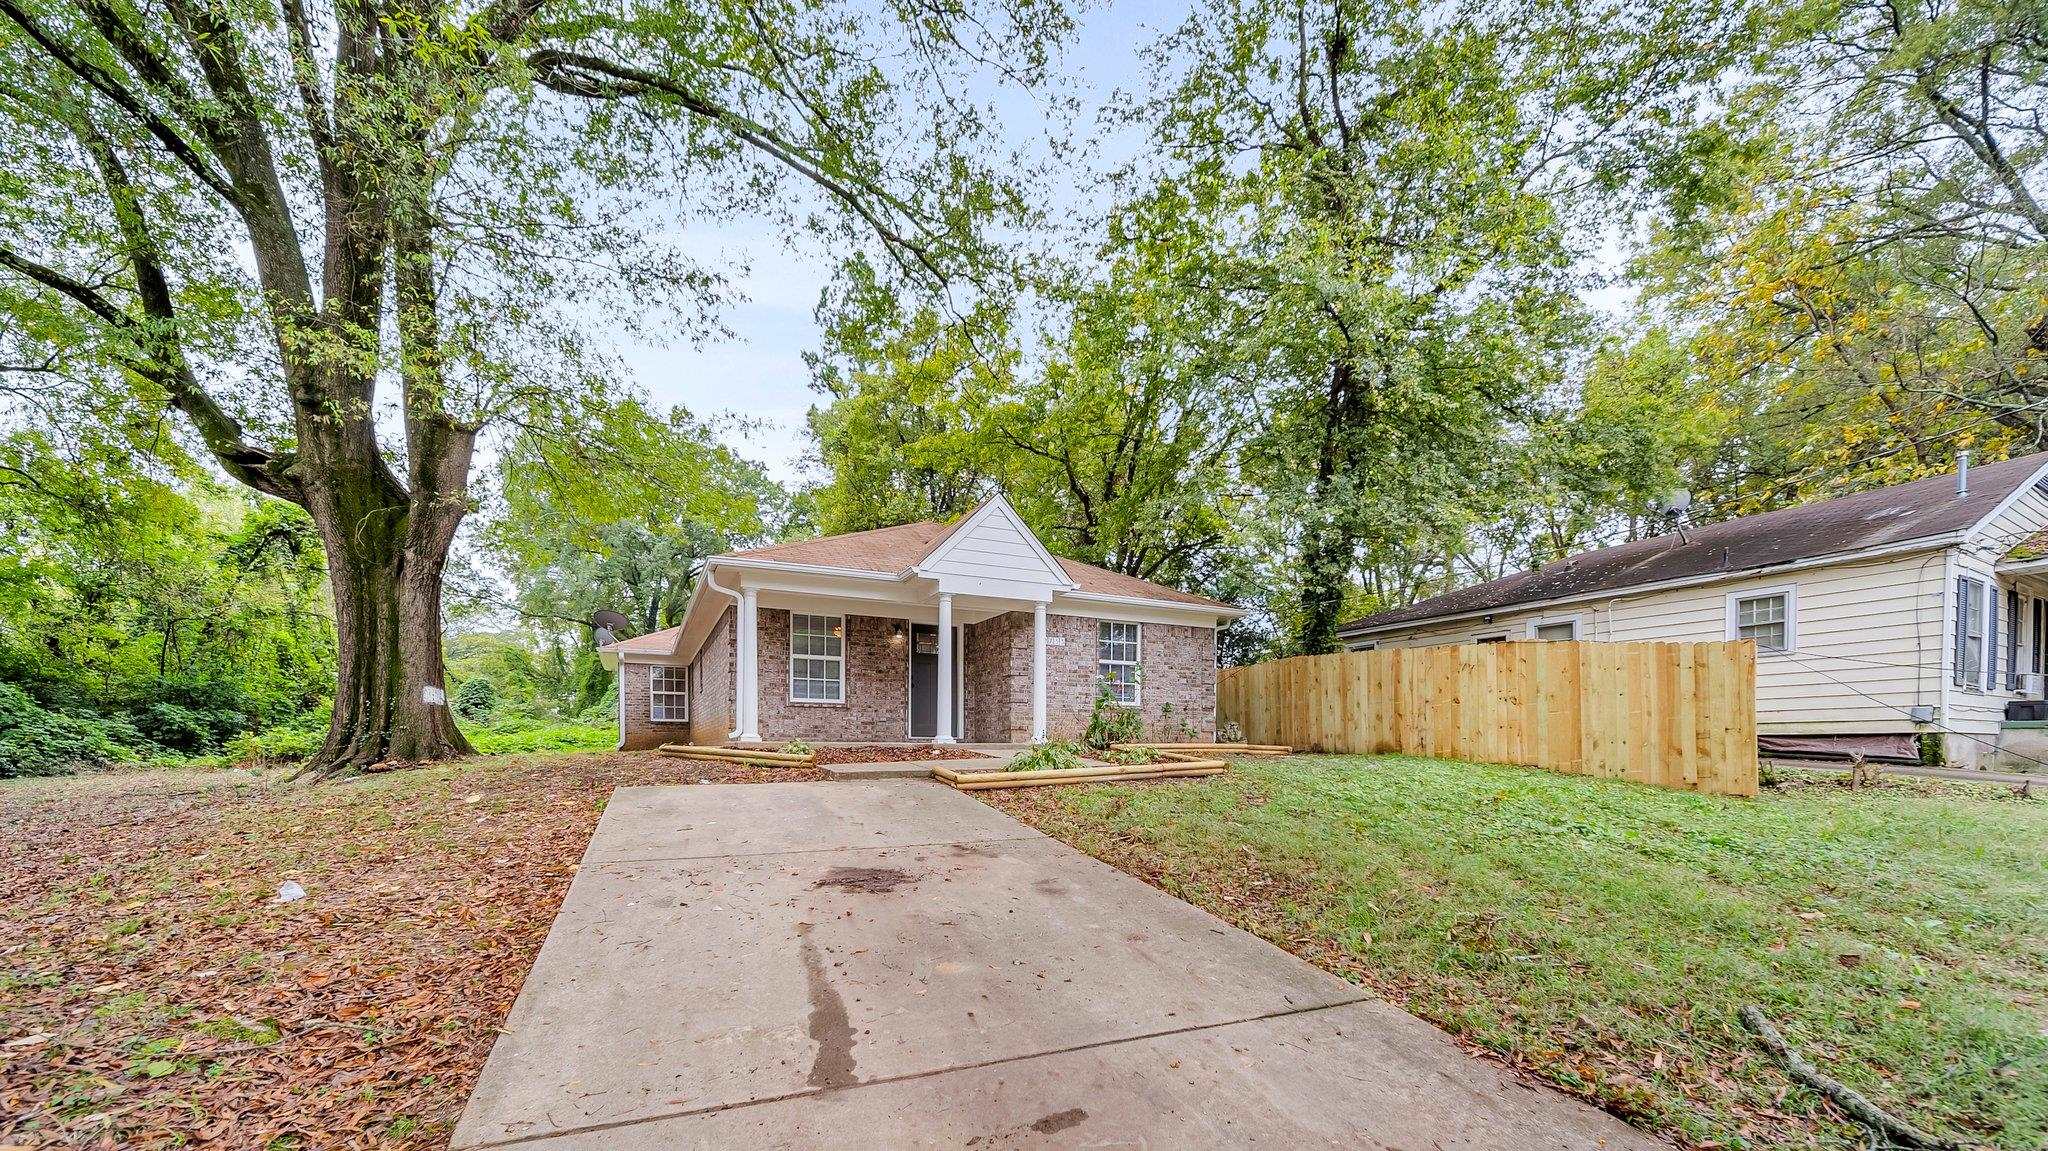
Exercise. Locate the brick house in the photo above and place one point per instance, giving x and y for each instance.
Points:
(969, 631)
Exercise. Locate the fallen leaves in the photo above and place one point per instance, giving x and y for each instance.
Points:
(155, 996)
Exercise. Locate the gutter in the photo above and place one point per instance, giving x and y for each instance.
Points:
(1922, 543)
(704, 580)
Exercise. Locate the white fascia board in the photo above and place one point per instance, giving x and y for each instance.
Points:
(1142, 610)
(1029, 591)
(1924, 543)
(748, 564)
(2023, 567)
(1224, 612)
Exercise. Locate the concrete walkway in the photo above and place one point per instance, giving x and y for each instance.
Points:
(899, 965)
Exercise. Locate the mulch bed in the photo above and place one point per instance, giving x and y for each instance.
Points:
(154, 992)
(893, 753)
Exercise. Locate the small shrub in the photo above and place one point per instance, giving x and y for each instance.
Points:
(1048, 757)
(476, 698)
(1132, 756)
(1230, 732)
(1111, 722)
(795, 747)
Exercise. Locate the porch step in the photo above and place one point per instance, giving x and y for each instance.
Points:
(877, 770)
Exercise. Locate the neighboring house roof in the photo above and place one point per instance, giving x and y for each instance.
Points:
(894, 551)
(1880, 517)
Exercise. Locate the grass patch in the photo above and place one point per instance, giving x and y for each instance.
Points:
(1603, 935)
(519, 735)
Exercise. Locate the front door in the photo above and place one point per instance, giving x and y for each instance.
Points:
(924, 681)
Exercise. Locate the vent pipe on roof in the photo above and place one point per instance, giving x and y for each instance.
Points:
(1963, 472)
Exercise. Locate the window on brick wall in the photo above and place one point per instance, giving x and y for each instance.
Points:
(1116, 659)
(668, 694)
(817, 658)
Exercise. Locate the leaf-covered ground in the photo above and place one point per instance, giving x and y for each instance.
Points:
(1603, 935)
(154, 993)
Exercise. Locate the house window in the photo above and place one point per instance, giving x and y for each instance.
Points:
(1116, 659)
(1763, 616)
(1501, 638)
(668, 694)
(1369, 645)
(1561, 629)
(817, 658)
(1969, 624)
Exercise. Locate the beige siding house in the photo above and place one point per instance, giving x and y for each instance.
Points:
(969, 631)
(1878, 616)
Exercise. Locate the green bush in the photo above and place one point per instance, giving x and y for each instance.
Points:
(35, 741)
(1111, 722)
(1048, 757)
(476, 698)
(514, 734)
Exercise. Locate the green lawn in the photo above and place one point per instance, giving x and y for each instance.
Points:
(1603, 935)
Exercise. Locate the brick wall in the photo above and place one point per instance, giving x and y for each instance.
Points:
(1179, 670)
(642, 732)
(711, 708)
(877, 706)
(996, 712)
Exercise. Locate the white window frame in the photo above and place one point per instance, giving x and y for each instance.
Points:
(656, 672)
(1368, 645)
(1490, 637)
(1138, 684)
(1791, 594)
(838, 661)
(1577, 622)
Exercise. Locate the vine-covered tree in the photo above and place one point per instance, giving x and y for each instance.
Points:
(342, 240)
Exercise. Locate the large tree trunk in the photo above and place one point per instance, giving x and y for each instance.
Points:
(390, 695)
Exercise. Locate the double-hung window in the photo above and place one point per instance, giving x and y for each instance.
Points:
(668, 694)
(1116, 659)
(1766, 616)
(817, 658)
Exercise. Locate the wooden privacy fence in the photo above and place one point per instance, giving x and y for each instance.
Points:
(1672, 714)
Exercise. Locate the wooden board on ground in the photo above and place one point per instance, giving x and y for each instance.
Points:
(1179, 768)
(738, 755)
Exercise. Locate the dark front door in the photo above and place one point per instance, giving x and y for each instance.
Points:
(924, 681)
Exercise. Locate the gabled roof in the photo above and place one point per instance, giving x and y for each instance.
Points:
(1922, 509)
(653, 643)
(895, 551)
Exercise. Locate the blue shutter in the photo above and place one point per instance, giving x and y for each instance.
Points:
(1961, 615)
(1991, 642)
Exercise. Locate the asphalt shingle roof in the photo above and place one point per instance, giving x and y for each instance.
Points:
(1851, 523)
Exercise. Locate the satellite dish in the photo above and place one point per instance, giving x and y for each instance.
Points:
(1675, 503)
(608, 624)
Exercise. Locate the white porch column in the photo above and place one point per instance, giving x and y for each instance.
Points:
(943, 731)
(750, 666)
(1038, 673)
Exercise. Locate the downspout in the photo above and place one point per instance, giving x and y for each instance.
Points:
(704, 573)
(621, 671)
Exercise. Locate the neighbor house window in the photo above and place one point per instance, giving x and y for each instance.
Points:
(817, 658)
(668, 694)
(1562, 629)
(1969, 603)
(1764, 616)
(1369, 645)
(1116, 660)
(1501, 638)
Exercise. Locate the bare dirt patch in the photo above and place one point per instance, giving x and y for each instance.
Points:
(155, 992)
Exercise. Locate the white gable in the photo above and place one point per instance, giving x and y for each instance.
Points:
(993, 548)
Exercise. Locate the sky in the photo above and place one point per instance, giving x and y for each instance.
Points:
(758, 372)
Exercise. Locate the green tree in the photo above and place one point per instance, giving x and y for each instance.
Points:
(335, 239)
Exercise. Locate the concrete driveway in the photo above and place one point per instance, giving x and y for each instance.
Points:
(897, 964)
